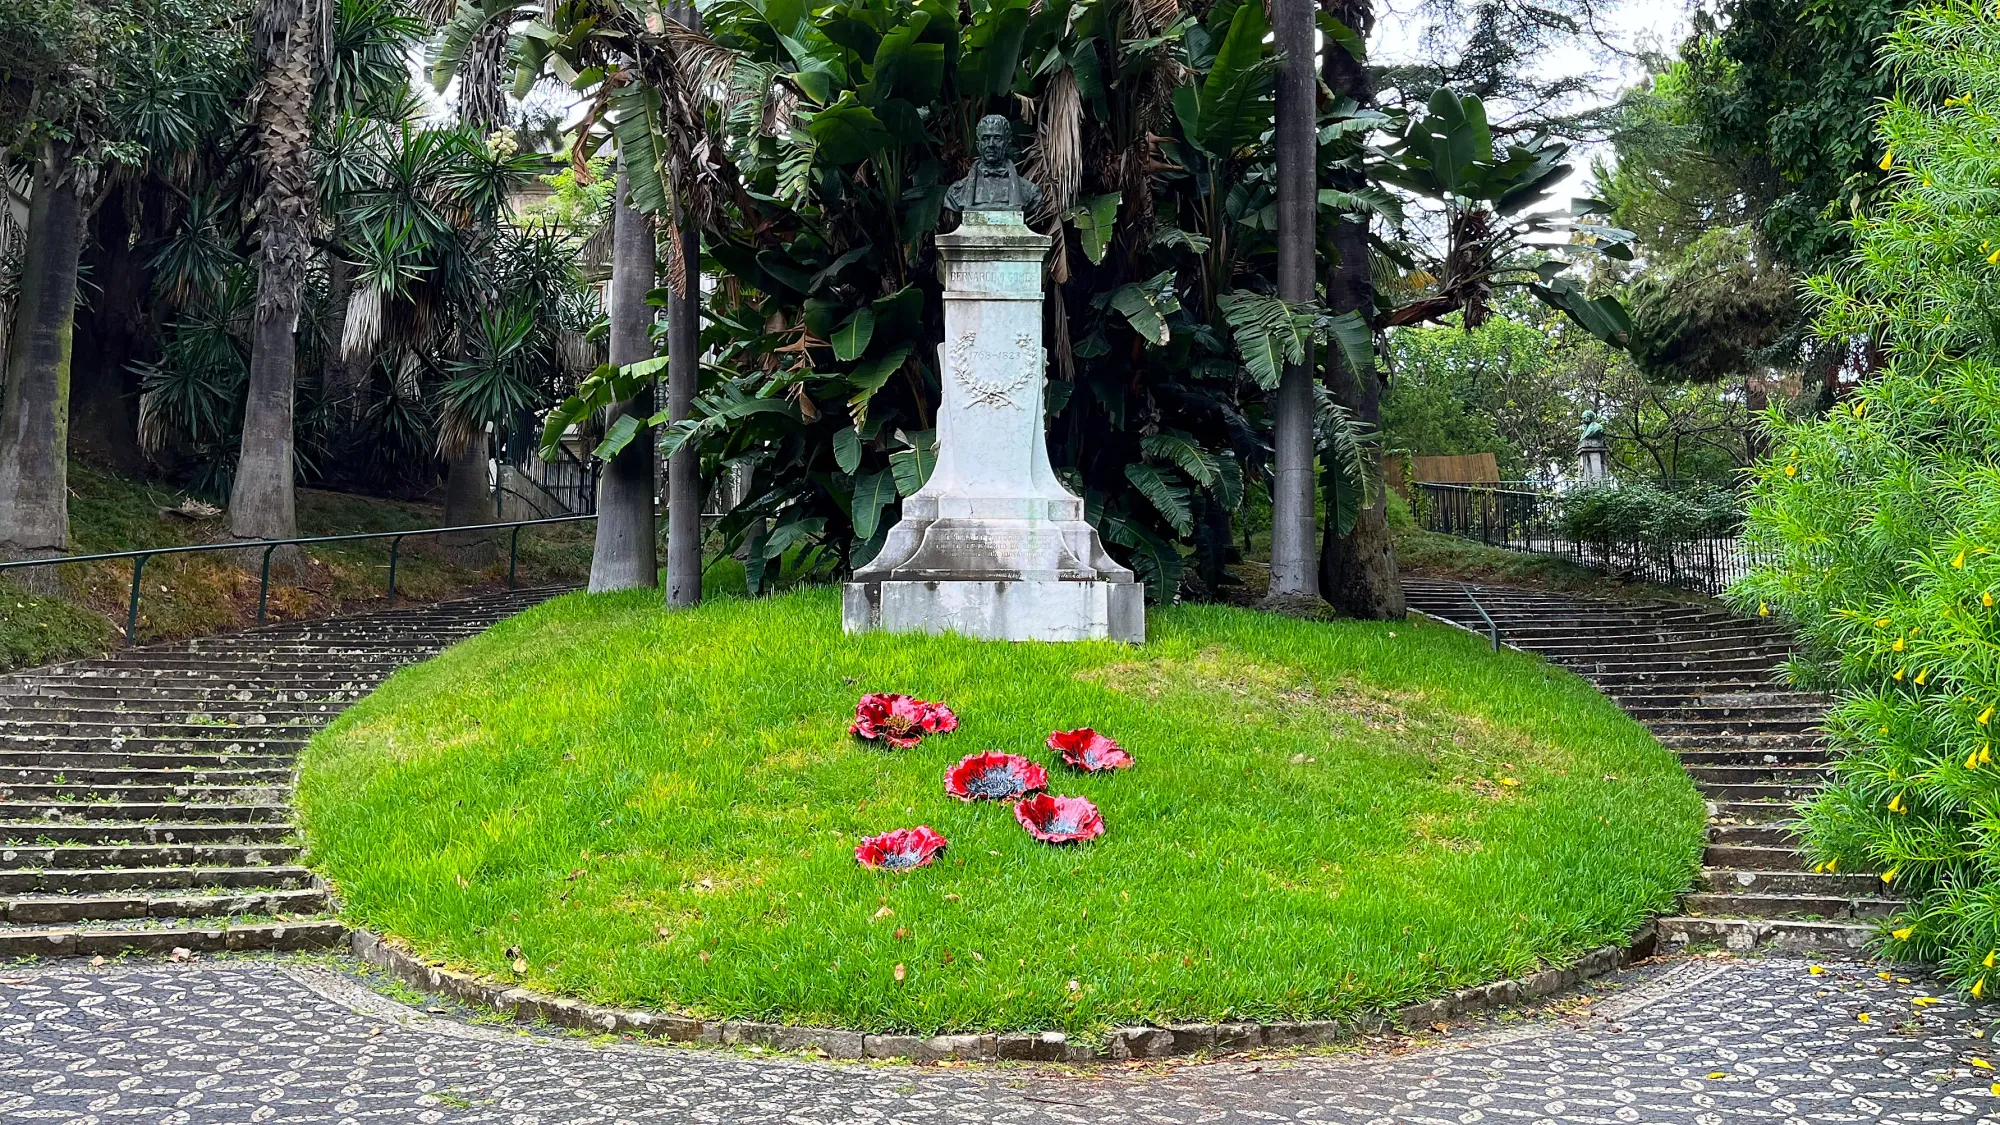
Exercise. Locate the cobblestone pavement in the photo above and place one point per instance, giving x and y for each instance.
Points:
(1704, 1042)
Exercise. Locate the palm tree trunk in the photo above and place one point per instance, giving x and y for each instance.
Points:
(627, 552)
(1357, 570)
(1292, 571)
(683, 373)
(291, 37)
(34, 421)
(684, 467)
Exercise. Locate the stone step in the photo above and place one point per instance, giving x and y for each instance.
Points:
(116, 759)
(18, 781)
(113, 940)
(231, 717)
(67, 800)
(238, 744)
(1744, 935)
(1801, 724)
(1781, 835)
(1753, 858)
(69, 813)
(1752, 812)
(1818, 908)
(1772, 774)
(88, 857)
(16, 730)
(58, 909)
(1736, 880)
(1742, 756)
(189, 697)
(101, 880)
(1725, 711)
(1756, 791)
(1664, 695)
(32, 833)
(1772, 741)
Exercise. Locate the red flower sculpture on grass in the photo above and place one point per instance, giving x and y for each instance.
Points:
(994, 776)
(1059, 820)
(901, 850)
(1089, 751)
(899, 720)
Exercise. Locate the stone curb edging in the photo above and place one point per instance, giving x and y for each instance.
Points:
(1121, 1044)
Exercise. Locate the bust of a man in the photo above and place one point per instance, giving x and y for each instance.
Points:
(993, 184)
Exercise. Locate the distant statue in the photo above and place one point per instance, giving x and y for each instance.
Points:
(993, 184)
(1593, 428)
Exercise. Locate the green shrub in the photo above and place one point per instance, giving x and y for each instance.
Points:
(1644, 516)
(1882, 516)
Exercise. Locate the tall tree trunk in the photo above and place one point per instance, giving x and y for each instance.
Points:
(684, 467)
(468, 500)
(114, 329)
(34, 421)
(290, 41)
(1292, 571)
(1358, 569)
(627, 553)
(683, 373)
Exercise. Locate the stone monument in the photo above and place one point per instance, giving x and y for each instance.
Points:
(1593, 453)
(993, 546)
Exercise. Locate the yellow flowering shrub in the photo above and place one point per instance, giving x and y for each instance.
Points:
(1882, 518)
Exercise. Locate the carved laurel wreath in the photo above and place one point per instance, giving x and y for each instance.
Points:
(965, 355)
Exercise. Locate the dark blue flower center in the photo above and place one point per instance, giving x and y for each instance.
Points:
(1061, 826)
(994, 783)
(896, 861)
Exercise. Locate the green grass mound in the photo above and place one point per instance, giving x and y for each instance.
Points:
(660, 810)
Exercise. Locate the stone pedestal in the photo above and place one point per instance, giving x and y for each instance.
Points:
(1593, 458)
(993, 546)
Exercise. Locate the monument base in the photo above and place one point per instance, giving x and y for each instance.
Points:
(1000, 610)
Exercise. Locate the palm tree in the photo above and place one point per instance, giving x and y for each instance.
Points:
(34, 422)
(626, 555)
(291, 43)
(1358, 572)
(683, 374)
(1292, 570)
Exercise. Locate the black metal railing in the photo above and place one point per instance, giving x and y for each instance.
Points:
(139, 557)
(1516, 518)
(569, 483)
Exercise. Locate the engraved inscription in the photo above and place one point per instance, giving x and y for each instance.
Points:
(990, 377)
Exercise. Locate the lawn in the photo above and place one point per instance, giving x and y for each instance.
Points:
(661, 810)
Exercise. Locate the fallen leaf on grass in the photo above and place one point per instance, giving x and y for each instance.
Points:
(885, 912)
(901, 972)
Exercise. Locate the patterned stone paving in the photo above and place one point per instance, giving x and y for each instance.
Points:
(1704, 1042)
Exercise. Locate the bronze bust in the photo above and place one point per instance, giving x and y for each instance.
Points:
(993, 184)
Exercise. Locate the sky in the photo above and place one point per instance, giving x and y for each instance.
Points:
(1633, 26)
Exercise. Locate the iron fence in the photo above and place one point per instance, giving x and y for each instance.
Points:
(1518, 518)
(139, 557)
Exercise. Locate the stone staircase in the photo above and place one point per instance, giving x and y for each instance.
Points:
(1704, 682)
(145, 798)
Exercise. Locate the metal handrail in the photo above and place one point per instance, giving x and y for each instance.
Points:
(396, 538)
(1491, 626)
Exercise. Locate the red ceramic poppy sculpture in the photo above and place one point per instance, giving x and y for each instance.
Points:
(1059, 820)
(901, 850)
(1089, 751)
(899, 720)
(994, 776)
